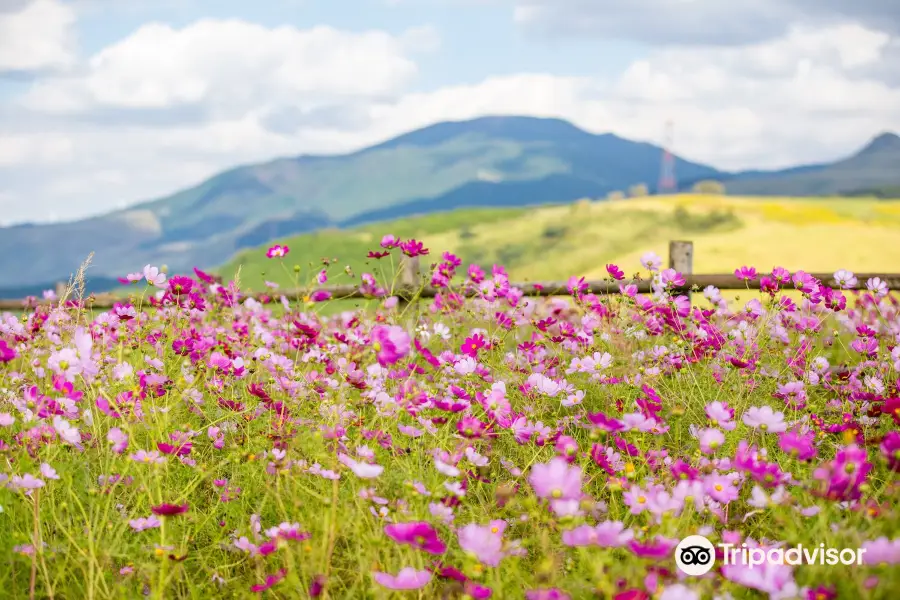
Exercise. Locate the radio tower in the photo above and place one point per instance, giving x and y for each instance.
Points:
(667, 182)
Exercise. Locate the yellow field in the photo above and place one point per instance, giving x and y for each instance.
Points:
(810, 234)
(814, 234)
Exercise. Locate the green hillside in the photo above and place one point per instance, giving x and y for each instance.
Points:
(552, 243)
(875, 167)
(490, 161)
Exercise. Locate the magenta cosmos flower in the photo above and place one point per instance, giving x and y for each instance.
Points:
(391, 344)
(277, 251)
(407, 579)
(169, 510)
(6, 353)
(546, 594)
(419, 535)
(270, 581)
(556, 480)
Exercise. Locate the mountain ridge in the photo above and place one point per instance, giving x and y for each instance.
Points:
(493, 160)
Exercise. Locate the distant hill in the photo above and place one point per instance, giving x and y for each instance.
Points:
(875, 168)
(498, 161)
(489, 161)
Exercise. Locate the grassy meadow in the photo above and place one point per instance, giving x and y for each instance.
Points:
(504, 448)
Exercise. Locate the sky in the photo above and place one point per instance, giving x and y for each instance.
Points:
(105, 103)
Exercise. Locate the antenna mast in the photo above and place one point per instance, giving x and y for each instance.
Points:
(668, 184)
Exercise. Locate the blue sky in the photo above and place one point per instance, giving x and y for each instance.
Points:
(479, 39)
(104, 103)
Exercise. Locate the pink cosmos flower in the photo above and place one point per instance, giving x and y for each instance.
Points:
(151, 457)
(270, 581)
(407, 579)
(651, 261)
(609, 534)
(878, 287)
(389, 241)
(882, 551)
(615, 272)
(48, 472)
(547, 594)
(144, 523)
(710, 440)
(484, 541)
(556, 480)
(800, 445)
(764, 418)
(745, 273)
(670, 278)
(721, 415)
(154, 276)
(277, 251)
(118, 439)
(391, 344)
(657, 549)
(845, 474)
(418, 534)
(774, 579)
(890, 448)
(362, 470)
(26, 482)
(471, 345)
(720, 488)
(845, 279)
(413, 248)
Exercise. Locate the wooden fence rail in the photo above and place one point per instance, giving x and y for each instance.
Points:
(409, 287)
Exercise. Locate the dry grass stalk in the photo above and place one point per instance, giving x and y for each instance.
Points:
(76, 283)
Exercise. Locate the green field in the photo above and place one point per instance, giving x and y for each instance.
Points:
(554, 242)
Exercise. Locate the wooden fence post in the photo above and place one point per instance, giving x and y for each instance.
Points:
(408, 281)
(681, 258)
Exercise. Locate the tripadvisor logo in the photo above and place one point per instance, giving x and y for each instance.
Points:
(695, 555)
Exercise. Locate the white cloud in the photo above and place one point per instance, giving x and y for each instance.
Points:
(165, 108)
(699, 22)
(36, 36)
(39, 149)
(232, 66)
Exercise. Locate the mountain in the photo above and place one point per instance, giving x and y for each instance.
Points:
(485, 162)
(874, 168)
(489, 161)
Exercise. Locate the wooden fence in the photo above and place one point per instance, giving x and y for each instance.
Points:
(409, 288)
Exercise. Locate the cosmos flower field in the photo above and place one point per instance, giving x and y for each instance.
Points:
(192, 442)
